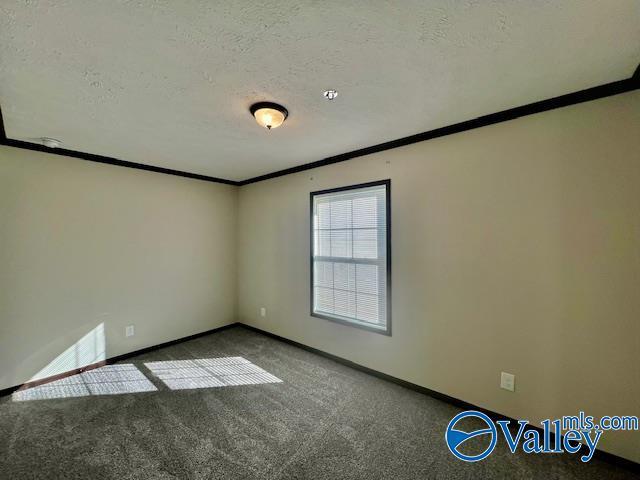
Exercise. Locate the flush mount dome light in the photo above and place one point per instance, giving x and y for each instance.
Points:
(269, 115)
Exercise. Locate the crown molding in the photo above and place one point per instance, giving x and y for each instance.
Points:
(111, 161)
(593, 93)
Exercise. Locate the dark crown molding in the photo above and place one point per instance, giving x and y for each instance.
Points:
(3, 134)
(110, 160)
(594, 93)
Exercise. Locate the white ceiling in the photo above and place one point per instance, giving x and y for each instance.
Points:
(169, 83)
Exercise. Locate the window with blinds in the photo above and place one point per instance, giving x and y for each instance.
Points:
(350, 255)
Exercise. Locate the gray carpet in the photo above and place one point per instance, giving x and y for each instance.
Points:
(323, 421)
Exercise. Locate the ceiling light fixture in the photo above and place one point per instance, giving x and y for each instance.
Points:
(330, 94)
(269, 115)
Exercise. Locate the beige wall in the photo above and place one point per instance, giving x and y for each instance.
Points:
(84, 244)
(516, 247)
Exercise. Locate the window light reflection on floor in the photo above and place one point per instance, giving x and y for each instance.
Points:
(107, 380)
(210, 372)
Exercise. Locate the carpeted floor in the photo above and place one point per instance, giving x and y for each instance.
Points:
(323, 421)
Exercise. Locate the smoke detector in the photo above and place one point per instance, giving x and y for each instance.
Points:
(50, 142)
(330, 94)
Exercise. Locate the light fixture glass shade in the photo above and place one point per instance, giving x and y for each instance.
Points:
(269, 115)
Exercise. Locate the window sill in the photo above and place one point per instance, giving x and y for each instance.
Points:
(386, 330)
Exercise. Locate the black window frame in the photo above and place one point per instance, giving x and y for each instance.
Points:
(387, 184)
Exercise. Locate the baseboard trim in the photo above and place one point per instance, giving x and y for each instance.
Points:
(600, 454)
(8, 391)
(125, 356)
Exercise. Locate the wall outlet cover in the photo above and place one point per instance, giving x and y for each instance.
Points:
(130, 331)
(508, 381)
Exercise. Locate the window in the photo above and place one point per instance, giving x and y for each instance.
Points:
(351, 255)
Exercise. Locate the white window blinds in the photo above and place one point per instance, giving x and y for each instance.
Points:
(350, 255)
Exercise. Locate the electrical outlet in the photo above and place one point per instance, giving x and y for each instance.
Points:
(508, 381)
(130, 331)
(263, 312)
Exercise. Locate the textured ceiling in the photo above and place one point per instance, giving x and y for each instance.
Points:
(169, 83)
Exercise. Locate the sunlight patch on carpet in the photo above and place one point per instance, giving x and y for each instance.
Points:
(210, 373)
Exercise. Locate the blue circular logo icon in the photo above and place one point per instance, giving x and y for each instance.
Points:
(456, 438)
